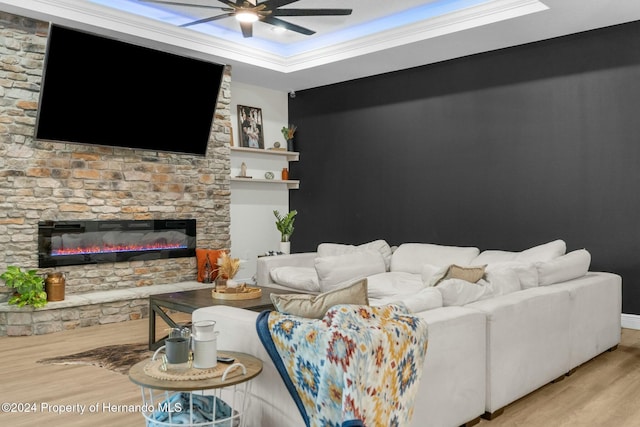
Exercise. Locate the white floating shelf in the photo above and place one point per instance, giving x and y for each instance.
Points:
(292, 184)
(291, 156)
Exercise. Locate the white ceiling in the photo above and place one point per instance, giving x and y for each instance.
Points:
(379, 36)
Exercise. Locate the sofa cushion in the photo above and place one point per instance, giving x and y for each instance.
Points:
(422, 300)
(493, 256)
(393, 284)
(410, 257)
(430, 271)
(503, 282)
(425, 299)
(298, 278)
(460, 292)
(527, 273)
(337, 270)
(315, 306)
(331, 249)
(570, 266)
(539, 253)
(542, 253)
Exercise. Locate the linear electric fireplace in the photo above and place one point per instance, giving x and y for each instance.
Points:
(92, 242)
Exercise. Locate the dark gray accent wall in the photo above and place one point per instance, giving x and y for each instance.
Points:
(502, 150)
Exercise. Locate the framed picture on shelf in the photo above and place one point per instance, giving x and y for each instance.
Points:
(250, 127)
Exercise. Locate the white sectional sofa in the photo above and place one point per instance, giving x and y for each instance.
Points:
(533, 317)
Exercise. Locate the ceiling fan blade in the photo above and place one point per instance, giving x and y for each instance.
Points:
(289, 26)
(209, 19)
(311, 12)
(274, 4)
(247, 29)
(176, 3)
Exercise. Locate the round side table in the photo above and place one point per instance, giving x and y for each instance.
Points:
(171, 402)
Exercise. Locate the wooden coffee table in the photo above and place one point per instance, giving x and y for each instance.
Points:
(189, 301)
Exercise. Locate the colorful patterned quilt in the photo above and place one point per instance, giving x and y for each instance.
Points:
(358, 366)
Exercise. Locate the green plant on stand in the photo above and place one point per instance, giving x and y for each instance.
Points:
(28, 286)
(284, 224)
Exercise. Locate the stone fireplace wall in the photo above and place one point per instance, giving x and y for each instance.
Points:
(56, 181)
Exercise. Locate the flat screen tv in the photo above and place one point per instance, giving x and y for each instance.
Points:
(98, 90)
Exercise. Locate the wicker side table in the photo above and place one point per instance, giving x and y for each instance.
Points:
(169, 402)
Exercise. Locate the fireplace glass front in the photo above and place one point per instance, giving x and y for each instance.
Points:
(92, 242)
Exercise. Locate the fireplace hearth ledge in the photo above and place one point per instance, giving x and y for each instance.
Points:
(87, 309)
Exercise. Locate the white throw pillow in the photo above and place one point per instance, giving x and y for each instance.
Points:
(503, 282)
(527, 273)
(543, 253)
(338, 270)
(430, 271)
(461, 292)
(394, 284)
(570, 266)
(425, 299)
(331, 249)
(411, 257)
(491, 256)
(298, 278)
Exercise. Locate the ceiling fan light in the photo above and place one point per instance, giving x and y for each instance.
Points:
(246, 17)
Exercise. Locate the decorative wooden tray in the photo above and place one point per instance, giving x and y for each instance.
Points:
(241, 292)
(158, 369)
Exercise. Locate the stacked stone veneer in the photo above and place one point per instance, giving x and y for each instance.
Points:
(57, 181)
(38, 322)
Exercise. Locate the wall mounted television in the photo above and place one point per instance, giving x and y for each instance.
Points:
(99, 90)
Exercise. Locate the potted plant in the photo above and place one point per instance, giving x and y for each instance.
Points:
(284, 224)
(28, 287)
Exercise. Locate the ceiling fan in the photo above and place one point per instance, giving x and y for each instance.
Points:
(267, 11)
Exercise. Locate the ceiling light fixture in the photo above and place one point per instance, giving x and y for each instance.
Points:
(247, 16)
(247, 12)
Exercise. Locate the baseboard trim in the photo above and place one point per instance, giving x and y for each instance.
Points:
(630, 321)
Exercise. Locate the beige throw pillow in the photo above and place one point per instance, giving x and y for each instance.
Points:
(315, 306)
(468, 274)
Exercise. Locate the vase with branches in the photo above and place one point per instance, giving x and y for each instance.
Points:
(287, 133)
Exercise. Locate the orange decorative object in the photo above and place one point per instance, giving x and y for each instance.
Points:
(285, 174)
(201, 257)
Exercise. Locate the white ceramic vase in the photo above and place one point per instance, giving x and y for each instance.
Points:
(285, 247)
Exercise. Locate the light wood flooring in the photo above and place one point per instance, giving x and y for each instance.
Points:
(603, 392)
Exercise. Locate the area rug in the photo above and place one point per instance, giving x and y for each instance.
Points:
(117, 358)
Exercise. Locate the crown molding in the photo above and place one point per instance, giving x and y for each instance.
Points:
(487, 13)
(129, 27)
